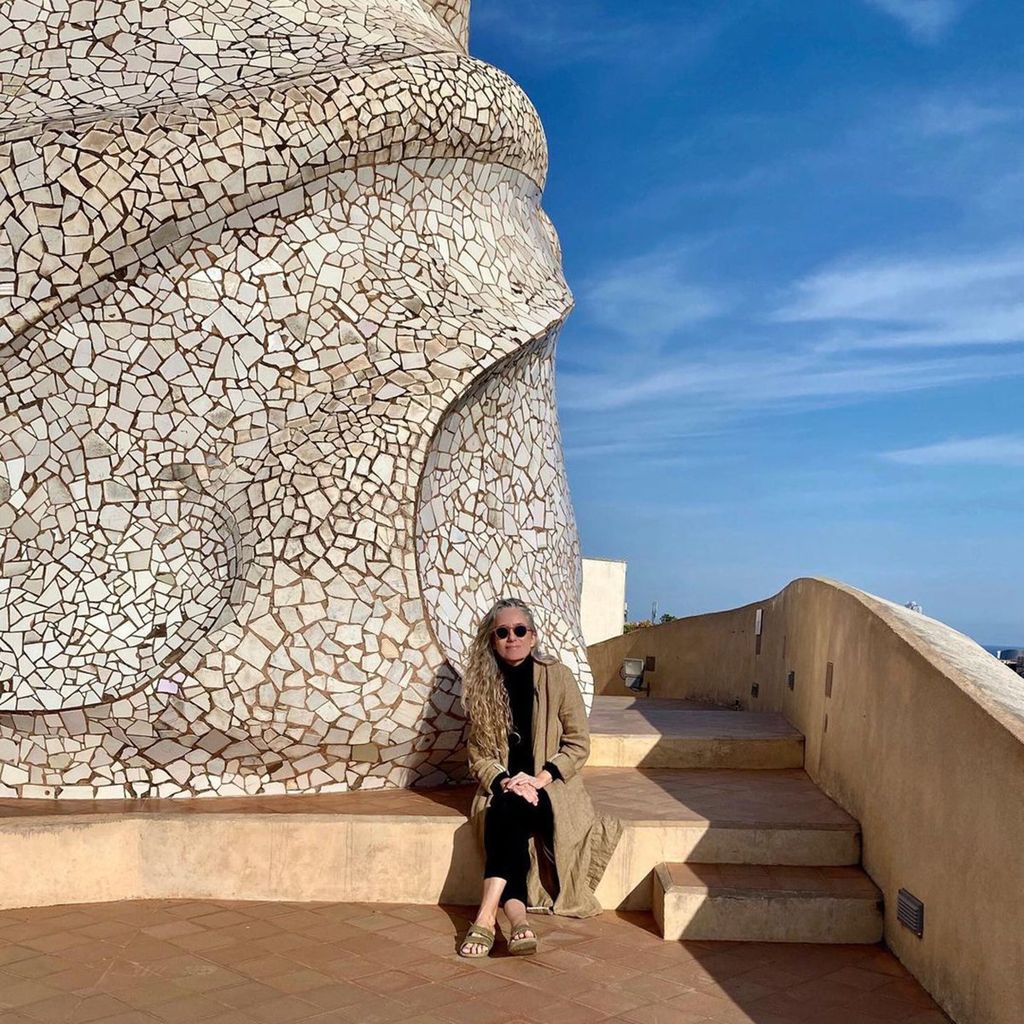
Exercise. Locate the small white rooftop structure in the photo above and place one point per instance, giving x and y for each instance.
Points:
(603, 603)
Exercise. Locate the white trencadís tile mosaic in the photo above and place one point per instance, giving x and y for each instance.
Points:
(260, 265)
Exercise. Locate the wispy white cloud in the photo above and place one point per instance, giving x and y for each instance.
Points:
(846, 334)
(746, 382)
(926, 21)
(994, 450)
(942, 115)
(928, 301)
(651, 296)
(576, 31)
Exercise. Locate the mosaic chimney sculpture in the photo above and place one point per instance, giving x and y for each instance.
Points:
(278, 305)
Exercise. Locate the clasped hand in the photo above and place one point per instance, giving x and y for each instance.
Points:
(526, 786)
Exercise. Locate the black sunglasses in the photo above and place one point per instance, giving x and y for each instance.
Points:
(520, 631)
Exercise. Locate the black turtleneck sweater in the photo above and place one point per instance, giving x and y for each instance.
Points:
(518, 680)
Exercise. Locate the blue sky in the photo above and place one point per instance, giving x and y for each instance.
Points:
(794, 233)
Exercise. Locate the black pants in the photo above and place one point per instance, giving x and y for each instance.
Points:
(508, 825)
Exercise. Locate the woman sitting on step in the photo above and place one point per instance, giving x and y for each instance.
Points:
(528, 741)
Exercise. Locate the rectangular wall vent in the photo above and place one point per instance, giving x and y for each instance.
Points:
(910, 912)
(828, 679)
(649, 662)
(791, 680)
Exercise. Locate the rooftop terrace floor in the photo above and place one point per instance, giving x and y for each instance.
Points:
(216, 962)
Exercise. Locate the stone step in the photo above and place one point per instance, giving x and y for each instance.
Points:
(396, 845)
(637, 733)
(715, 816)
(752, 903)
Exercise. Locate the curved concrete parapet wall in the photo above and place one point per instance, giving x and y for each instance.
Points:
(913, 729)
(252, 259)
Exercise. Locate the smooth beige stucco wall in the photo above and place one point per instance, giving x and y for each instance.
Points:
(603, 601)
(705, 657)
(922, 740)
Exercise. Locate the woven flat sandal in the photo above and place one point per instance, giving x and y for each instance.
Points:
(521, 944)
(477, 935)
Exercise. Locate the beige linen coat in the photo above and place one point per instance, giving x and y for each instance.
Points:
(583, 840)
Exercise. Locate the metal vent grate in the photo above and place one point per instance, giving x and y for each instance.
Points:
(910, 912)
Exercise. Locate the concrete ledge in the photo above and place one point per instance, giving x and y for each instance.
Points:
(301, 856)
(764, 904)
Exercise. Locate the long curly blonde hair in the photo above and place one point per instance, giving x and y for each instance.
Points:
(484, 696)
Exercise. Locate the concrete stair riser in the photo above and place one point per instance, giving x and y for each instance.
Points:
(608, 751)
(761, 915)
(628, 880)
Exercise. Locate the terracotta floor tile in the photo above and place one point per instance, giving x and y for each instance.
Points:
(248, 931)
(612, 1001)
(562, 984)
(907, 990)
(301, 980)
(478, 1011)
(608, 974)
(653, 986)
(779, 1004)
(228, 1017)
(143, 992)
(478, 982)
(377, 1010)
(439, 968)
(22, 991)
(660, 1013)
(559, 1011)
(172, 929)
(36, 967)
(54, 942)
(115, 930)
(99, 1008)
(244, 994)
(146, 949)
(11, 952)
(364, 964)
(186, 1009)
(74, 979)
(54, 1008)
(350, 968)
(824, 993)
(400, 955)
(706, 1003)
(282, 1010)
(519, 998)
(16, 1017)
(881, 960)
(424, 1018)
(431, 997)
(883, 1008)
(390, 982)
(127, 1017)
(738, 989)
(859, 978)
